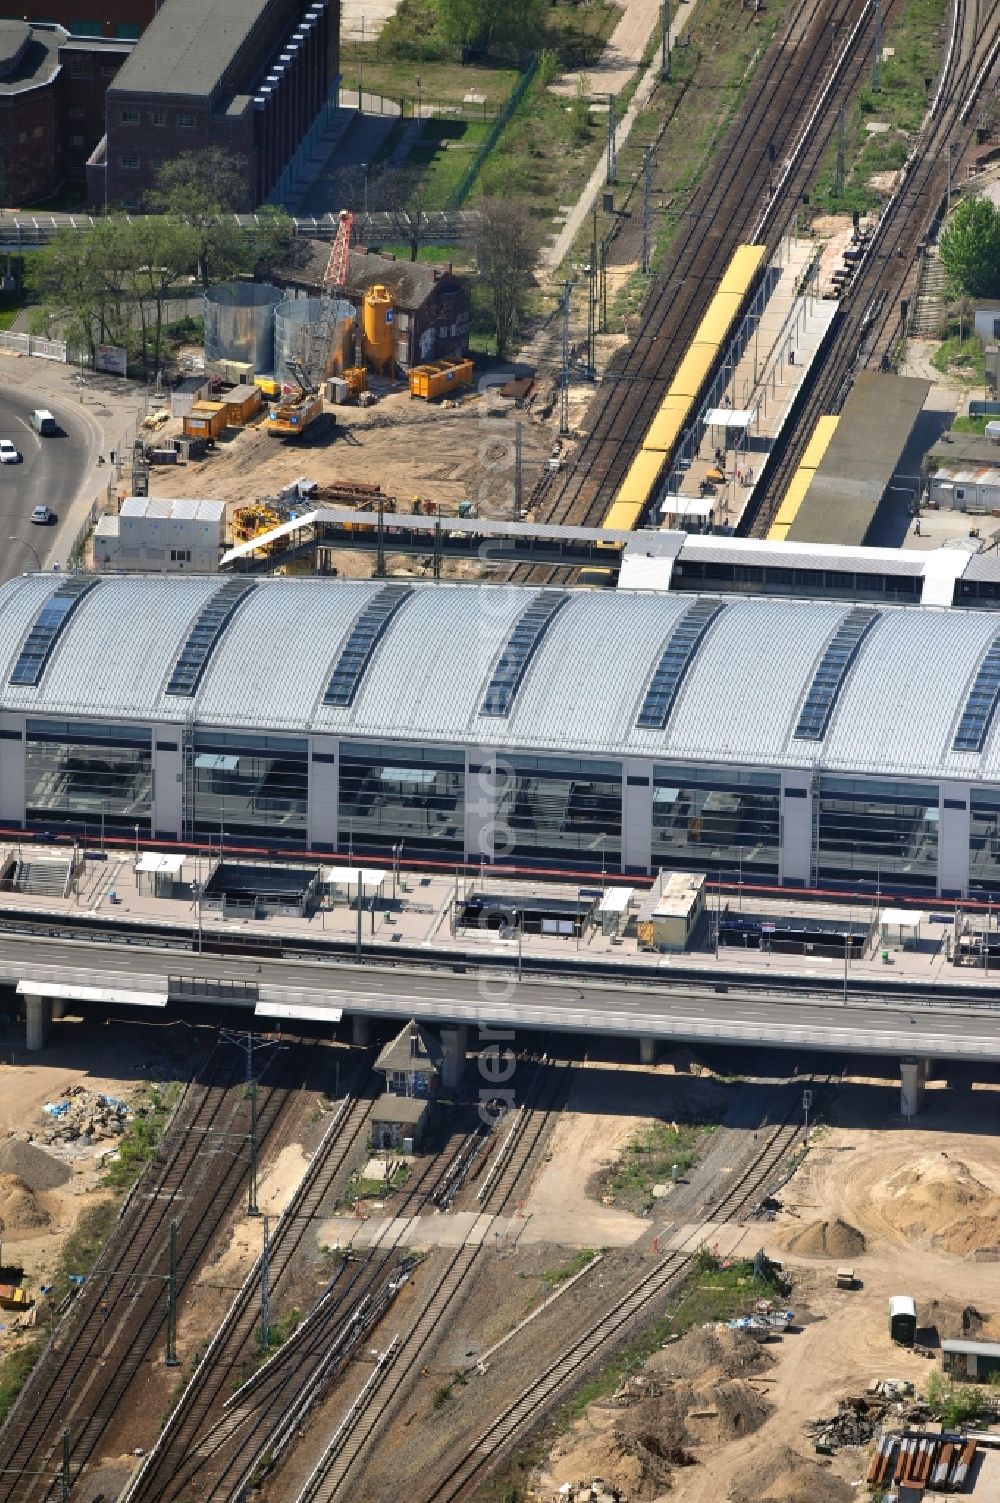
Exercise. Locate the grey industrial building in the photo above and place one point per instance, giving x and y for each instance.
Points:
(251, 76)
(821, 742)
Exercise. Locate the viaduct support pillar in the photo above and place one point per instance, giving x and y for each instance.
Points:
(360, 1029)
(38, 1013)
(648, 1050)
(455, 1043)
(912, 1079)
(58, 1008)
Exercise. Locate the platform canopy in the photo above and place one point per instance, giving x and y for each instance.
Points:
(70, 992)
(729, 417)
(688, 506)
(160, 862)
(306, 1012)
(900, 924)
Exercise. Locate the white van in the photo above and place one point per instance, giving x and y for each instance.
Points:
(43, 422)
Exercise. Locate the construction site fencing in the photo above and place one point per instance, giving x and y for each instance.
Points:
(34, 344)
(499, 125)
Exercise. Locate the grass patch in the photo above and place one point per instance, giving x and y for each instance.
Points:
(649, 1159)
(139, 1142)
(916, 39)
(8, 313)
(15, 1370)
(971, 425)
(360, 1188)
(962, 360)
(569, 1270)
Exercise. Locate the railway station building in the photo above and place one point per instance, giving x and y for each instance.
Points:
(818, 743)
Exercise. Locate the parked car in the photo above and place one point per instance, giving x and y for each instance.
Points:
(43, 515)
(8, 453)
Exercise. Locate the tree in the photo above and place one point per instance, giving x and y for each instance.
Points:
(205, 190)
(397, 193)
(970, 248)
(506, 256)
(481, 24)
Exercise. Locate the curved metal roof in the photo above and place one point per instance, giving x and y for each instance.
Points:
(739, 702)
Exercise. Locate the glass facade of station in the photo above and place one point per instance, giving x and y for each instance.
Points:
(391, 793)
(553, 809)
(717, 820)
(878, 832)
(250, 789)
(87, 778)
(984, 840)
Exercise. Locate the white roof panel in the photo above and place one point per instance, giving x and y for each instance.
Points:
(581, 694)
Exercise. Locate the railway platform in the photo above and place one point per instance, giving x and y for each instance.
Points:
(719, 483)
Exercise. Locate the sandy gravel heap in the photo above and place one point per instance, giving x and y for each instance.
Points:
(787, 1477)
(38, 1169)
(828, 1239)
(939, 1202)
(19, 1210)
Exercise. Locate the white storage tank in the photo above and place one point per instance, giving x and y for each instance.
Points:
(239, 323)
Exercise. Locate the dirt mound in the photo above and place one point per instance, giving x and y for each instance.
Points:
(19, 1210)
(787, 1477)
(38, 1169)
(940, 1202)
(828, 1239)
(711, 1352)
(956, 1322)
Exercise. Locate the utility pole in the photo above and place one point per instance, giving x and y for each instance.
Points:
(612, 172)
(592, 305)
(877, 70)
(265, 1288)
(171, 1354)
(647, 180)
(838, 189)
(564, 378)
(947, 210)
(380, 555)
(665, 45)
(604, 287)
(358, 942)
(252, 1207)
(518, 482)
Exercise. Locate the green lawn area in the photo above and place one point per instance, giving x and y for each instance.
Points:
(916, 40)
(443, 155)
(7, 317)
(975, 425)
(443, 85)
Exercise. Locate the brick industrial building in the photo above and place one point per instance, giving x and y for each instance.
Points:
(52, 89)
(431, 304)
(124, 19)
(251, 76)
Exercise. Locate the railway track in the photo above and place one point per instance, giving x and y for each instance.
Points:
(119, 1314)
(596, 1342)
(871, 325)
(169, 1463)
(400, 1361)
(777, 137)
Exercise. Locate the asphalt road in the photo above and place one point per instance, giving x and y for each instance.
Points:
(51, 474)
(866, 1025)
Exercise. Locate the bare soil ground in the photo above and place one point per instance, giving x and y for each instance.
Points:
(412, 449)
(914, 1211)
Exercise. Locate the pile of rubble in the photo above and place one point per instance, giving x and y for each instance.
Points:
(82, 1114)
(594, 1491)
(859, 1419)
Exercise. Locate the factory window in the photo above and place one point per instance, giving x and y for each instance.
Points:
(127, 31)
(77, 113)
(158, 117)
(84, 28)
(250, 788)
(131, 117)
(22, 135)
(129, 159)
(391, 793)
(77, 70)
(38, 132)
(185, 122)
(882, 833)
(179, 555)
(559, 809)
(76, 140)
(984, 841)
(108, 72)
(87, 777)
(718, 820)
